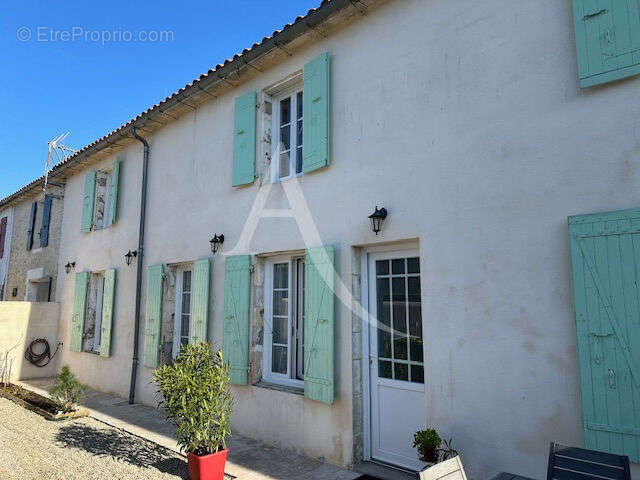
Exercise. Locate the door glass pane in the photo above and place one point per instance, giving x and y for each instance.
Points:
(384, 318)
(399, 311)
(401, 371)
(399, 318)
(415, 318)
(280, 319)
(384, 369)
(382, 267)
(280, 303)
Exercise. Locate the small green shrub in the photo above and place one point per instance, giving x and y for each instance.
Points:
(67, 390)
(427, 442)
(196, 398)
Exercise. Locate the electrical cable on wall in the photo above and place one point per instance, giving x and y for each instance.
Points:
(43, 358)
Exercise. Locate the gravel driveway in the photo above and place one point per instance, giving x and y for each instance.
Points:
(34, 448)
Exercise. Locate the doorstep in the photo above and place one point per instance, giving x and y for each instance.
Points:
(383, 472)
(248, 459)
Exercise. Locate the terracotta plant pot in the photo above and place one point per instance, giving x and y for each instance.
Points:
(207, 467)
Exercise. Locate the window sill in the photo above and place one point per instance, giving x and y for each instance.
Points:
(280, 388)
(92, 352)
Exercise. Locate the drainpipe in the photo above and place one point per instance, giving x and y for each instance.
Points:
(143, 208)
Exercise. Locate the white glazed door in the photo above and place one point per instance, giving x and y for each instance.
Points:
(396, 365)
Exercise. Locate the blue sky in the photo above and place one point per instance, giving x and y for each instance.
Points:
(58, 75)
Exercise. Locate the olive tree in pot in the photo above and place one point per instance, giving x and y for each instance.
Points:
(197, 400)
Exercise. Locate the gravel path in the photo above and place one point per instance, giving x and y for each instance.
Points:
(32, 448)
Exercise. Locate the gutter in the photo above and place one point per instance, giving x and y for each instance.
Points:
(139, 256)
(215, 76)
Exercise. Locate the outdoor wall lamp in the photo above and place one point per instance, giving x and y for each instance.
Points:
(69, 266)
(216, 242)
(130, 256)
(377, 217)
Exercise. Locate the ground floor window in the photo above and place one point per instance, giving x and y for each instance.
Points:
(284, 321)
(182, 315)
(93, 314)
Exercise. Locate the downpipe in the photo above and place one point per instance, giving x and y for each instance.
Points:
(139, 257)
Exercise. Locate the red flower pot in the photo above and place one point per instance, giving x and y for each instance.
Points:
(207, 467)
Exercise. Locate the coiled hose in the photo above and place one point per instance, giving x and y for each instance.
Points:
(43, 358)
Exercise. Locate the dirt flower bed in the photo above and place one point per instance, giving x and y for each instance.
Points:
(34, 448)
(37, 403)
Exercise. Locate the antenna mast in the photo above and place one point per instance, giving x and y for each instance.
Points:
(59, 152)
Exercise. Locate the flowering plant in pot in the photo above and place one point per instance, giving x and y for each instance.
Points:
(427, 442)
(197, 400)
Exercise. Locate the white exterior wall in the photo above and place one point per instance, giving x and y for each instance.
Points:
(4, 261)
(465, 120)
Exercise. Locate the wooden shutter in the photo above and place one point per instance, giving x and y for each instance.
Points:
(113, 192)
(244, 140)
(108, 297)
(46, 220)
(605, 262)
(79, 310)
(153, 324)
(316, 100)
(3, 237)
(32, 225)
(607, 40)
(235, 335)
(318, 324)
(200, 300)
(87, 201)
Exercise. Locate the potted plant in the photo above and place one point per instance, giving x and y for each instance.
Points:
(427, 442)
(197, 400)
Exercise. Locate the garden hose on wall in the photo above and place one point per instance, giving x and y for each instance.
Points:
(43, 358)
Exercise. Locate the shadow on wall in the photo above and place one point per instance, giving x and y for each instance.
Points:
(122, 447)
(20, 323)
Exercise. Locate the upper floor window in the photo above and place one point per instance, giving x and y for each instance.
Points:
(101, 204)
(287, 133)
(284, 321)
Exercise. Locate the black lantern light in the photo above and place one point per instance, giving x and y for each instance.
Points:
(377, 217)
(130, 256)
(216, 242)
(69, 266)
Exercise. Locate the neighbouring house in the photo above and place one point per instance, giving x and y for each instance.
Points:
(476, 308)
(30, 221)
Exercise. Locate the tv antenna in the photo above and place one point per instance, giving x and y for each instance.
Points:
(57, 151)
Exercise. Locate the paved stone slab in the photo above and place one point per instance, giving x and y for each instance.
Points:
(248, 459)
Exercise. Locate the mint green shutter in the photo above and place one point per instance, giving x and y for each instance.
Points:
(244, 140)
(87, 201)
(235, 335)
(605, 263)
(318, 324)
(607, 40)
(113, 192)
(316, 100)
(108, 297)
(153, 324)
(200, 300)
(79, 309)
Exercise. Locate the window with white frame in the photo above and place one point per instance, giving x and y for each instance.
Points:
(284, 321)
(93, 315)
(287, 124)
(182, 317)
(101, 204)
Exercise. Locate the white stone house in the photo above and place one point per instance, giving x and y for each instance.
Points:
(480, 127)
